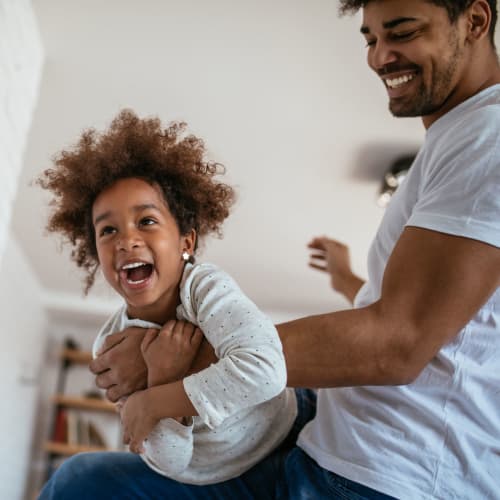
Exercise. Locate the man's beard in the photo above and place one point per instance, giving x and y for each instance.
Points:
(429, 100)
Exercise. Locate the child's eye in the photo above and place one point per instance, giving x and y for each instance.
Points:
(370, 43)
(107, 230)
(147, 221)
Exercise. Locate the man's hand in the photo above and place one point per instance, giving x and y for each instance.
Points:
(169, 352)
(137, 421)
(333, 257)
(119, 366)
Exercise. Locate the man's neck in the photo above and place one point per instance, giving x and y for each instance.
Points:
(482, 74)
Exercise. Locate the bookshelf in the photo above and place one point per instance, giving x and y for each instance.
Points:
(73, 429)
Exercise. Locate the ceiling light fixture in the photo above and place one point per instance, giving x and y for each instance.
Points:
(393, 178)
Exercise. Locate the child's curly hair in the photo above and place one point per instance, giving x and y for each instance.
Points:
(134, 147)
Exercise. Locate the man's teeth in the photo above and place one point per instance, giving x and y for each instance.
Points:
(394, 83)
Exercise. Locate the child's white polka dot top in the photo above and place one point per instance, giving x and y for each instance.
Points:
(243, 406)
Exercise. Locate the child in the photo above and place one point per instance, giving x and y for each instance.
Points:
(134, 200)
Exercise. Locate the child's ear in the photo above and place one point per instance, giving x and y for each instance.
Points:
(189, 242)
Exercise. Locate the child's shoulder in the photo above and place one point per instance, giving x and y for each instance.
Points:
(204, 271)
(113, 324)
(205, 275)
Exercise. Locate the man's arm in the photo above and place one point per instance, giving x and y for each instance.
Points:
(433, 284)
(120, 368)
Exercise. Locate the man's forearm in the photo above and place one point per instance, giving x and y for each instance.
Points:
(335, 349)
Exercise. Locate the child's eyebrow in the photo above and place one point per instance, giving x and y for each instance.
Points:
(135, 208)
(101, 217)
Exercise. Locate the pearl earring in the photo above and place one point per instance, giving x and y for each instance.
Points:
(185, 256)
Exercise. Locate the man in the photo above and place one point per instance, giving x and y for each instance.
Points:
(410, 406)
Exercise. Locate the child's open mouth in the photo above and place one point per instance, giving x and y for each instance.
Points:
(136, 273)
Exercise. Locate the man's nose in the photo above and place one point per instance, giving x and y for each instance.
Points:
(381, 56)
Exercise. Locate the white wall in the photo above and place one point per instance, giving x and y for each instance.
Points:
(23, 320)
(20, 68)
(23, 342)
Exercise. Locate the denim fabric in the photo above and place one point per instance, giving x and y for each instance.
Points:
(124, 476)
(303, 479)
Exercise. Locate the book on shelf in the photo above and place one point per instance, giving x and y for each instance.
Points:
(75, 429)
(61, 426)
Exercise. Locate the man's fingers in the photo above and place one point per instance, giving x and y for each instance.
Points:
(97, 366)
(110, 341)
(322, 243)
(318, 266)
(318, 242)
(114, 394)
(105, 380)
(319, 256)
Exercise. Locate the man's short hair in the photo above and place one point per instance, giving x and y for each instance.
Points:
(454, 8)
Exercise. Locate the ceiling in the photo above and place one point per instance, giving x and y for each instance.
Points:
(281, 94)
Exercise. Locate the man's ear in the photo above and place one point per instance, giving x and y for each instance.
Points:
(479, 20)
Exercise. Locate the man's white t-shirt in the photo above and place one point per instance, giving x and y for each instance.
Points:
(438, 437)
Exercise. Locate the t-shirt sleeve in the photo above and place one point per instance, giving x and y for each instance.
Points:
(169, 446)
(460, 194)
(251, 367)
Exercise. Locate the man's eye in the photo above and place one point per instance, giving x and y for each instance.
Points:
(370, 43)
(403, 36)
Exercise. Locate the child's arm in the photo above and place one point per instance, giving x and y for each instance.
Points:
(169, 352)
(121, 372)
(142, 411)
(251, 366)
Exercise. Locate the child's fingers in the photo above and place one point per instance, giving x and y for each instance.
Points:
(180, 329)
(167, 328)
(196, 338)
(126, 437)
(136, 446)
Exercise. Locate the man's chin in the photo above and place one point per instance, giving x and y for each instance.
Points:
(403, 111)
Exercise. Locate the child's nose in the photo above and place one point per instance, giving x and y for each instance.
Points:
(129, 240)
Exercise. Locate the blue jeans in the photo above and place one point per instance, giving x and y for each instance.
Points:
(288, 473)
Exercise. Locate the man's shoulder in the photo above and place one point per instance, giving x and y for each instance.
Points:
(481, 109)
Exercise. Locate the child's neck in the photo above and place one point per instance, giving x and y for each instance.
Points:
(153, 313)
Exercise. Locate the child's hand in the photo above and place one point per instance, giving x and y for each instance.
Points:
(137, 421)
(169, 352)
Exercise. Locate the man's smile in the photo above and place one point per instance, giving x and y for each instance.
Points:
(396, 82)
